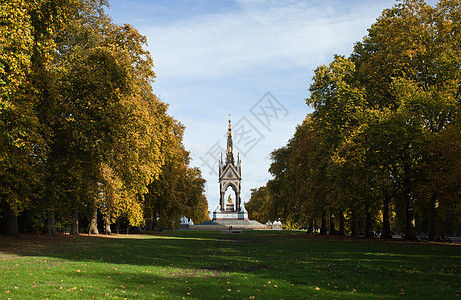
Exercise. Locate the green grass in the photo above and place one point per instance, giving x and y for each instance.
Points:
(214, 265)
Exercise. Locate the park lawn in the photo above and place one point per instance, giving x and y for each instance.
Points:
(215, 265)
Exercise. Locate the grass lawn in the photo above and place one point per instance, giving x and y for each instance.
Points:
(214, 265)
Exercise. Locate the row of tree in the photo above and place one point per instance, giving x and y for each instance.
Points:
(382, 148)
(81, 130)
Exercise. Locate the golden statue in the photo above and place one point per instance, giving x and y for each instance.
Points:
(229, 200)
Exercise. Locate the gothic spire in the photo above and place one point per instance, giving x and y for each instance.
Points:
(230, 147)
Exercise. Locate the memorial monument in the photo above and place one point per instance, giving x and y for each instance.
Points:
(230, 177)
(230, 214)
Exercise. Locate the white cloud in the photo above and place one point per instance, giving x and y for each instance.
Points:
(259, 35)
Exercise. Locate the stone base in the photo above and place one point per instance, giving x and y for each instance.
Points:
(230, 226)
(225, 221)
(230, 221)
(230, 215)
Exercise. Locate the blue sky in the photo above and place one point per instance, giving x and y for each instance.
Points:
(253, 59)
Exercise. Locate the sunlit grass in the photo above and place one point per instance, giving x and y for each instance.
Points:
(214, 265)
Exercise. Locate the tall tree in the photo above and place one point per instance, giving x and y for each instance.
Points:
(26, 34)
(409, 63)
(382, 118)
(178, 191)
(80, 125)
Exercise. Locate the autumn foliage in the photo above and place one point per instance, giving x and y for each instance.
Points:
(83, 136)
(381, 149)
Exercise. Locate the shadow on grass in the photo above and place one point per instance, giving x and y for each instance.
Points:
(262, 264)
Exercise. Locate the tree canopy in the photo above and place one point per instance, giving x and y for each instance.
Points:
(381, 147)
(82, 131)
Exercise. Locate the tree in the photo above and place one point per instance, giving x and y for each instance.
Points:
(338, 101)
(26, 47)
(178, 191)
(380, 125)
(409, 64)
(107, 123)
(256, 206)
(82, 130)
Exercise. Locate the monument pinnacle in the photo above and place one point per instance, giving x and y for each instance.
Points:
(230, 147)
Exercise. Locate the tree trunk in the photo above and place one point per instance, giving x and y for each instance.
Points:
(310, 228)
(368, 225)
(74, 222)
(323, 228)
(332, 224)
(94, 222)
(118, 225)
(386, 234)
(150, 220)
(50, 225)
(434, 233)
(155, 222)
(107, 226)
(150, 225)
(342, 230)
(410, 224)
(354, 229)
(11, 222)
(128, 228)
